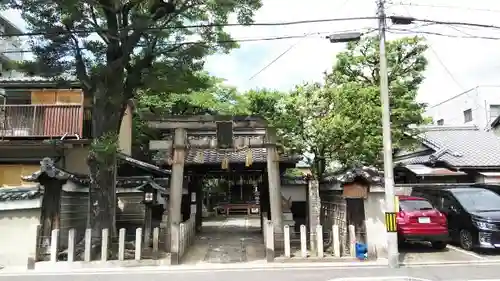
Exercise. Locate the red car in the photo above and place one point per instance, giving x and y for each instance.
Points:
(418, 220)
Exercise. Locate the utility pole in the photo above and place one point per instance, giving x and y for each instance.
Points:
(392, 238)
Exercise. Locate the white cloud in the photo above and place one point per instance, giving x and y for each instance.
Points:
(471, 62)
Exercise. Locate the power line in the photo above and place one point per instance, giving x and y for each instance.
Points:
(287, 50)
(242, 40)
(457, 23)
(277, 58)
(412, 31)
(445, 7)
(439, 58)
(290, 48)
(62, 32)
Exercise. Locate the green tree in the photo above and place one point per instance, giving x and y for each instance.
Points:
(304, 125)
(117, 48)
(352, 90)
(339, 121)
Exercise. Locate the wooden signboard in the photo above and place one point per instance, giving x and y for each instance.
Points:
(355, 190)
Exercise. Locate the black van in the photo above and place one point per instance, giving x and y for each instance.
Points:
(473, 214)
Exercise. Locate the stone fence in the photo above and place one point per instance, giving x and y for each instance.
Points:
(187, 235)
(138, 250)
(321, 244)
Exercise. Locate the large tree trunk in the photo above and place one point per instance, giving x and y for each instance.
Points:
(106, 119)
(50, 210)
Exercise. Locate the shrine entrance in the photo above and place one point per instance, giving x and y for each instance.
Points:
(230, 229)
(225, 180)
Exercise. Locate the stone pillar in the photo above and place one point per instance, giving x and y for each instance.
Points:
(273, 175)
(176, 185)
(165, 227)
(314, 202)
(199, 204)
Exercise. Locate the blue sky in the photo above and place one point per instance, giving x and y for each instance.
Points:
(455, 64)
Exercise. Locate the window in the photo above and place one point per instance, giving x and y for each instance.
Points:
(480, 200)
(494, 111)
(415, 205)
(440, 122)
(447, 203)
(467, 115)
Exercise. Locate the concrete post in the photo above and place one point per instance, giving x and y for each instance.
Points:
(273, 175)
(314, 212)
(176, 184)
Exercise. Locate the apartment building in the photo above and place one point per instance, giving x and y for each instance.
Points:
(10, 47)
(479, 106)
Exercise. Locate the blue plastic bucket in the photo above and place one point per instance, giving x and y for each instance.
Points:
(361, 251)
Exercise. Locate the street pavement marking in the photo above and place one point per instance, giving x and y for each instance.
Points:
(465, 252)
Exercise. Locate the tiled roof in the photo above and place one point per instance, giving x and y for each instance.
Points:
(464, 146)
(19, 193)
(19, 81)
(459, 147)
(371, 174)
(143, 165)
(214, 156)
(414, 160)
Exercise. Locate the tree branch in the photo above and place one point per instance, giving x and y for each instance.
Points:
(96, 25)
(81, 69)
(129, 42)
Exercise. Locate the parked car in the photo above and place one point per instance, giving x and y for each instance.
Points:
(418, 220)
(473, 214)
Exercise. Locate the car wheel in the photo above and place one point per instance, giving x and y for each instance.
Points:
(466, 240)
(439, 245)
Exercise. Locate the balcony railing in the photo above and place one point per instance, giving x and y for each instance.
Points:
(41, 120)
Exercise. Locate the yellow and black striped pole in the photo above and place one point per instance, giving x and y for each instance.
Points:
(390, 222)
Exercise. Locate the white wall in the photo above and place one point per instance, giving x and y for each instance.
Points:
(478, 100)
(375, 224)
(18, 234)
(296, 192)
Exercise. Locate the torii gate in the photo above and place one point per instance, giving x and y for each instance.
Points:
(224, 127)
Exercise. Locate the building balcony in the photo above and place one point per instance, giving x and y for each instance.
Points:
(41, 120)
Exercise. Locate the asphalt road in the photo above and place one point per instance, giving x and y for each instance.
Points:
(462, 272)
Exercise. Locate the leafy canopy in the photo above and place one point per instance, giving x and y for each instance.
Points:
(340, 120)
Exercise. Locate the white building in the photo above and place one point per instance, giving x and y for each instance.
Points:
(10, 47)
(478, 106)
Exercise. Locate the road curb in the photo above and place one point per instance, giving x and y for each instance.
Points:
(485, 261)
(380, 263)
(197, 267)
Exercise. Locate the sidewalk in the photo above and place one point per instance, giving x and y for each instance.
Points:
(260, 265)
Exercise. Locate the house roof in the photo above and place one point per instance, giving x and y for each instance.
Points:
(48, 169)
(16, 82)
(20, 193)
(495, 122)
(215, 156)
(372, 175)
(143, 165)
(9, 26)
(458, 147)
